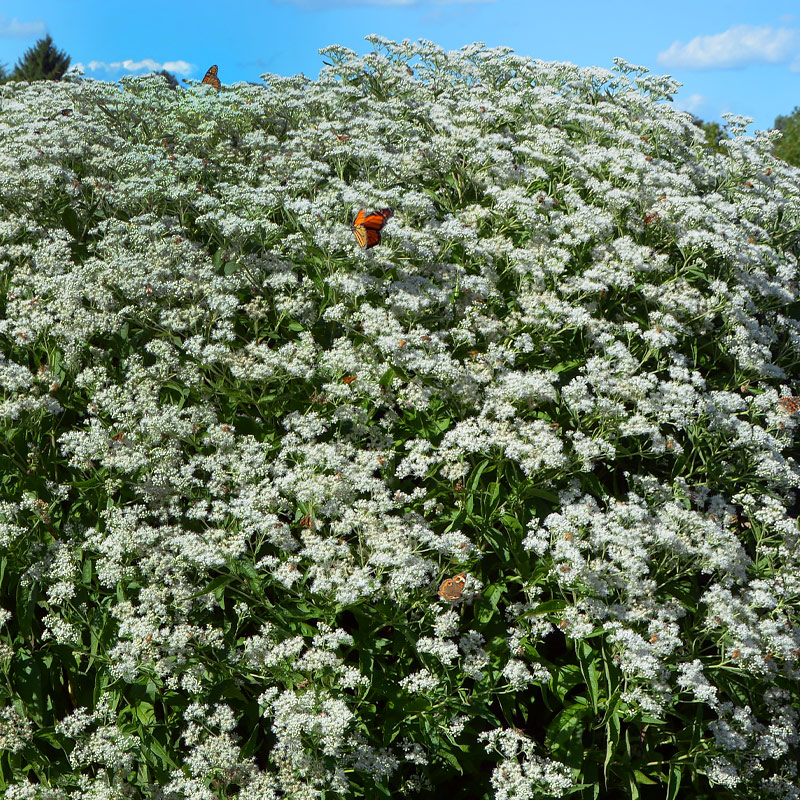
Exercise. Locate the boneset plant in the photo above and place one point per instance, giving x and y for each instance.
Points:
(241, 454)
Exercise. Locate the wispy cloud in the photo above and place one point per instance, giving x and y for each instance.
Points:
(693, 103)
(324, 5)
(14, 29)
(145, 65)
(737, 47)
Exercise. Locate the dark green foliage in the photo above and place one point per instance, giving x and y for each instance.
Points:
(42, 62)
(788, 148)
(714, 134)
(169, 77)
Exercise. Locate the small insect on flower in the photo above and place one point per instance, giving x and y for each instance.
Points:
(367, 227)
(348, 379)
(211, 77)
(452, 588)
(791, 405)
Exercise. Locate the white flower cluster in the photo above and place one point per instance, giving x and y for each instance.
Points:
(523, 774)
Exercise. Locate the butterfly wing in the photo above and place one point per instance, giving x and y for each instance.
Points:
(452, 588)
(211, 77)
(790, 404)
(367, 227)
(359, 229)
(378, 219)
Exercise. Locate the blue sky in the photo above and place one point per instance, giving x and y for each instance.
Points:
(736, 56)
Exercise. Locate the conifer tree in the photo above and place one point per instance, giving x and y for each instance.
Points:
(43, 61)
(170, 78)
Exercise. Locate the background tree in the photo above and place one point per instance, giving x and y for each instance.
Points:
(42, 62)
(788, 148)
(171, 79)
(714, 134)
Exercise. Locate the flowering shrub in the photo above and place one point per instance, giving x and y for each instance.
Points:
(241, 453)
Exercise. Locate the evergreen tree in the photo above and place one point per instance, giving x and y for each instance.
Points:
(43, 61)
(788, 148)
(4, 76)
(171, 79)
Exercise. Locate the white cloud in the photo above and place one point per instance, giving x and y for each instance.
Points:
(145, 65)
(737, 47)
(324, 5)
(14, 29)
(692, 103)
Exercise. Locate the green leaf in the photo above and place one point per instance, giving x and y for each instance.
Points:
(586, 660)
(565, 735)
(213, 585)
(27, 596)
(71, 222)
(674, 782)
(477, 472)
(451, 759)
(387, 378)
(145, 713)
(612, 742)
(86, 572)
(643, 779)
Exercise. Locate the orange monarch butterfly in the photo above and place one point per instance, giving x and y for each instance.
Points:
(211, 77)
(367, 227)
(452, 588)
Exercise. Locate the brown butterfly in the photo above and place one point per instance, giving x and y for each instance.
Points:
(790, 405)
(452, 588)
(211, 77)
